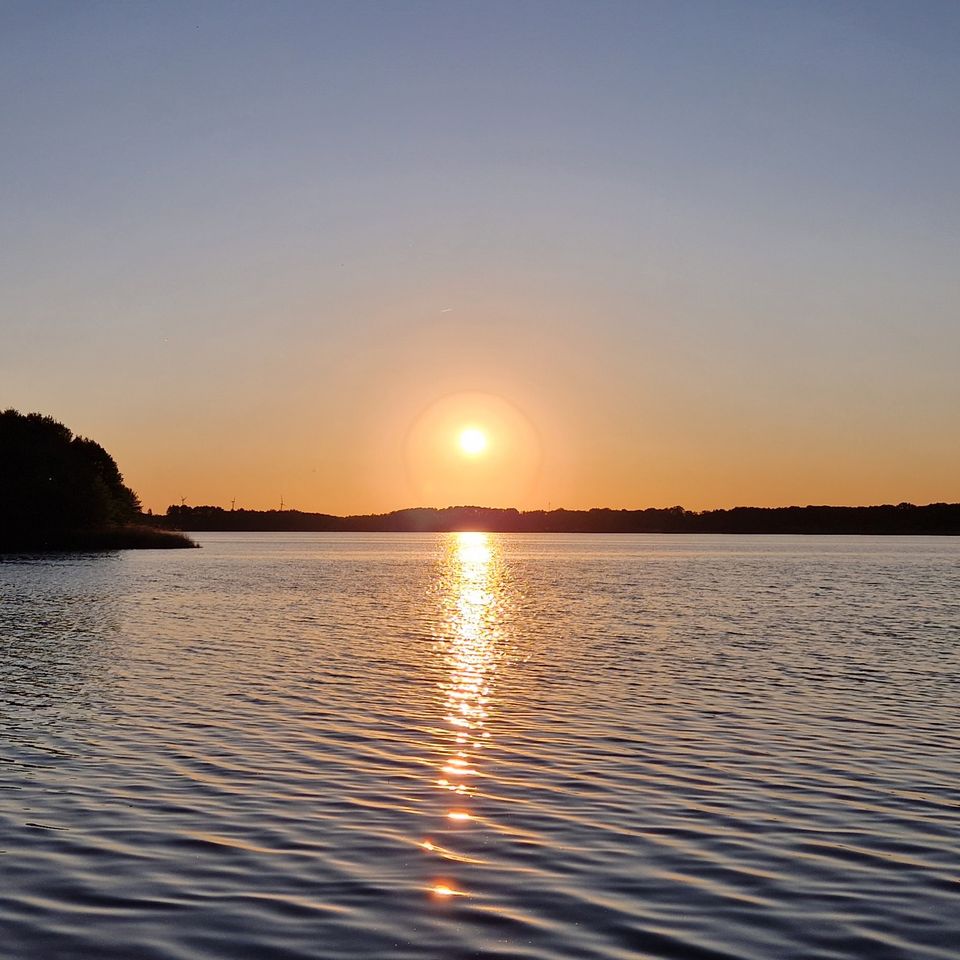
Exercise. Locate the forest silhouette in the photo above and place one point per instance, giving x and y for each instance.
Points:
(902, 518)
(60, 491)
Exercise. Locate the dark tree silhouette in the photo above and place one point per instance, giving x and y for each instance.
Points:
(55, 488)
(904, 518)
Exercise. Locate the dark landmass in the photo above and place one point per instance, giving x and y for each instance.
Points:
(61, 492)
(140, 536)
(901, 519)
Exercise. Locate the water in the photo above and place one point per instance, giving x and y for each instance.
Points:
(310, 746)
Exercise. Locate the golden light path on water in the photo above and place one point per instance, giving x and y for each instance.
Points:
(471, 647)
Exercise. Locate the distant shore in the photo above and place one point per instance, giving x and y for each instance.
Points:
(904, 519)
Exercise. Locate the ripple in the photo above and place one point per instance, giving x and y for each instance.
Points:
(480, 746)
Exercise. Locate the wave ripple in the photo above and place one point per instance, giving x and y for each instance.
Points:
(311, 746)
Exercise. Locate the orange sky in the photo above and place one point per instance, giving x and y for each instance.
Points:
(580, 420)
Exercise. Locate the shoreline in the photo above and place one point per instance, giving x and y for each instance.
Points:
(126, 537)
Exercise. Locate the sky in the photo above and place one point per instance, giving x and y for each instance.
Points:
(659, 252)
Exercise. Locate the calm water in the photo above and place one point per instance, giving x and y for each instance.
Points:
(299, 746)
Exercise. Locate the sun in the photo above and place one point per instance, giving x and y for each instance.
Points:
(473, 441)
(472, 448)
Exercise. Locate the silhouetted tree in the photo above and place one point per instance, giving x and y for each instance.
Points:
(52, 482)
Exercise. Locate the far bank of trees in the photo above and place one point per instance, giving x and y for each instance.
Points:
(903, 518)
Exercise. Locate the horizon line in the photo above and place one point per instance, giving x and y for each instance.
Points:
(547, 510)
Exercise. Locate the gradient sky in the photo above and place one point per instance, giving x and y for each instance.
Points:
(702, 253)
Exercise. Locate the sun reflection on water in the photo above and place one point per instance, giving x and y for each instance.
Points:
(471, 648)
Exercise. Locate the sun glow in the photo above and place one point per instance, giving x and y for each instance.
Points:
(473, 441)
(472, 448)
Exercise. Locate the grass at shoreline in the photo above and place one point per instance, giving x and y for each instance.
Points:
(126, 537)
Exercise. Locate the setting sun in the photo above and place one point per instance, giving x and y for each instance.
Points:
(472, 447)
(473, 441)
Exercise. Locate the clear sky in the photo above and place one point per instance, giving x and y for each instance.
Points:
(662, 253)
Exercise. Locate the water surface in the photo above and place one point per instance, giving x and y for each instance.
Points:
(310, 746)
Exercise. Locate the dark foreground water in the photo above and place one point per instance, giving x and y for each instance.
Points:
(298, 746)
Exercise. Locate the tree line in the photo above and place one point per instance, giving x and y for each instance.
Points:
(901, 518)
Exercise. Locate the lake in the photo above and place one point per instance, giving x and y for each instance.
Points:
(467, 745)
